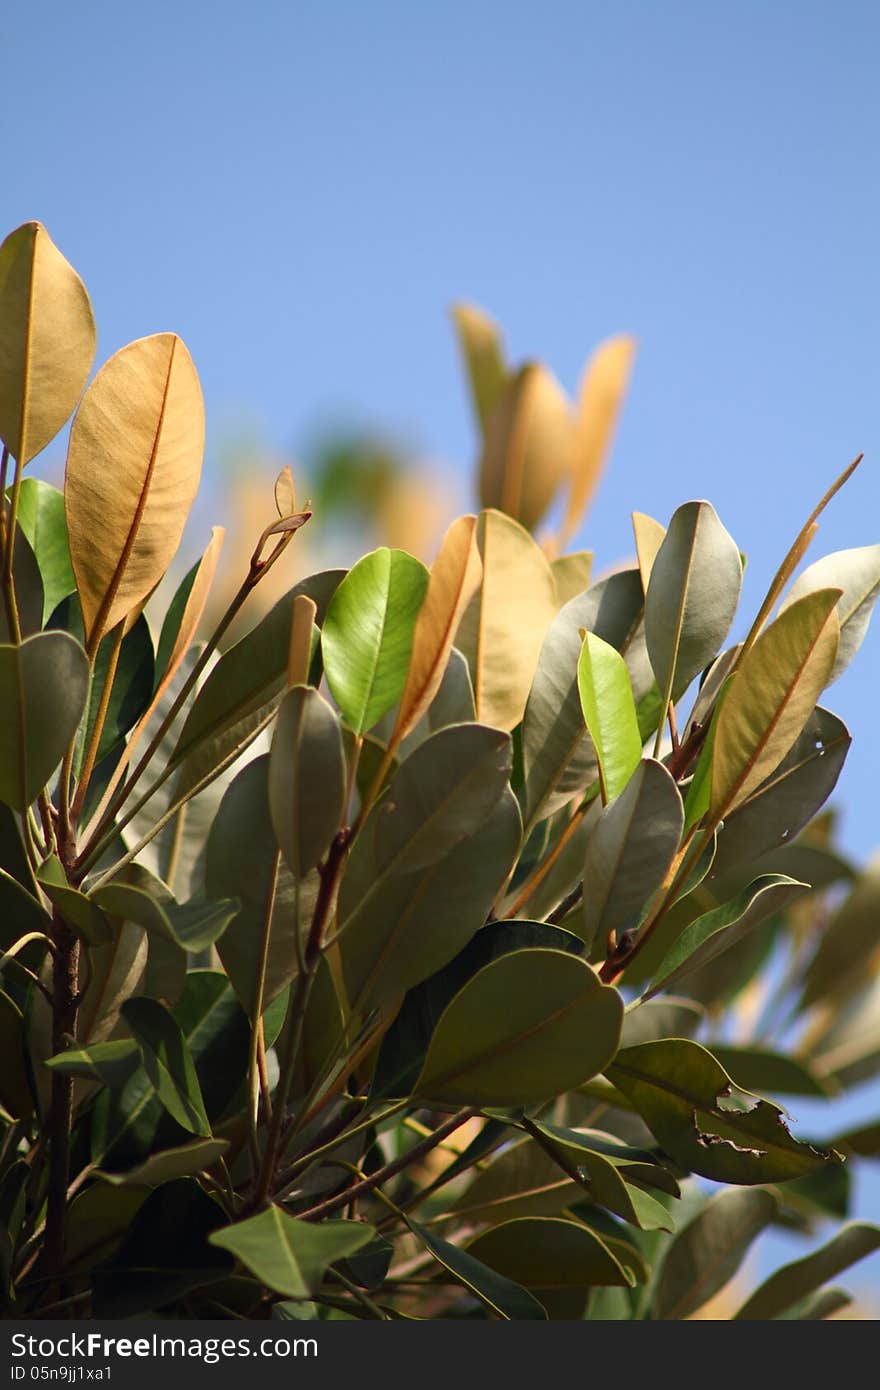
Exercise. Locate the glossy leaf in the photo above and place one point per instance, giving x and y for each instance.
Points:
(600, 398)
(692, 596)
(546, 1253)
(717, 931)
(630, 850)
(603, 1168)
(707, 1253)
(609, 714)
(677, 1087)
(110, 1063)
(760, 1069)
(480, 343)
(452, 582)
(505, 623)
(396, 929)
(47, 341)
(192, 926)
(78, 911)
(528, 447)
(133, 468)
(43, 686)
(771, 697)
(289, 1255)
(787, 1286)
(857, 573)
(307, 778)
(502, 1296)
(528, 1026)
(41, 518)
(168, 1062)
(168, 1164)
(454, 701)
(439, 795)
(28, 583)
(559, 757)
(367, 635)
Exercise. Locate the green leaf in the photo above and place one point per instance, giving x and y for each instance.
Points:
(502, 1296)
(288, 1255)
(609, 713)
(15, 1091)
(789, 799)
(368, 633)
(756, 1069)
(439, 795)
(670, 1017)
(307, 778)
(28, 586)
(528, 1026)
(849, 939)
(165, 1253)
(707, 1253)
(41, 518)
(717, 931)
(13, 1186)
(520, 1180)
(692, 596)
(168, 1062)
(559, 757)
(544, 1252)
(110, 1063)
(784, 1289)
(181, 1162)
(857, 573)
(818, 1306)
(629, 851)
(603, 1168)
(454, 701)
(396, 929)
(770, 698)
(241, 859)
(43, 686)
(247, 682)
(677, 1086)
(192, 926)
(79, 912)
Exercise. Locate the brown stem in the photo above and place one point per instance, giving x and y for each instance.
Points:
(390, 1170)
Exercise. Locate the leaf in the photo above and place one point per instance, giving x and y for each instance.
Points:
(848, 940)
(787, 1286)
(520, 1180)
(771, 697)
(857, 573)
(706, 937)
(192, 926)
(110, 1063)
(241, 859)
(505, 623)
(481, 347)
(631, 847)
(307, 778)
(182, 1162)
(47, 343)
(572, 574)
(545, 1252)
(41, 518)
(440, 794)
(184, 613)
(501, 1296)
(692, 597)
(528, 1026)
(454, 701)
(676, 1086)
(165, 1253)
(168, 1062)
(43, 685)
(670, 1017)
(79, 912)
(452, 582)
(558, 754)
(397, 929)
(368, 632)
(15, 1091)
(609, 714)
(527, 447)
(406, 1043)
(28, 584)
(791, 796)
(755, 1067)
(600, 397)
(117, 968)
(285, 493)
(707, 1253)
(603, 1172)
(649, 536)
(133, 467)
(288, 1255)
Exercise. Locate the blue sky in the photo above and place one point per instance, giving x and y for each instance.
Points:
(300, 190)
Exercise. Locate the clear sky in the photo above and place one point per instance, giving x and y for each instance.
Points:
(300, 190)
